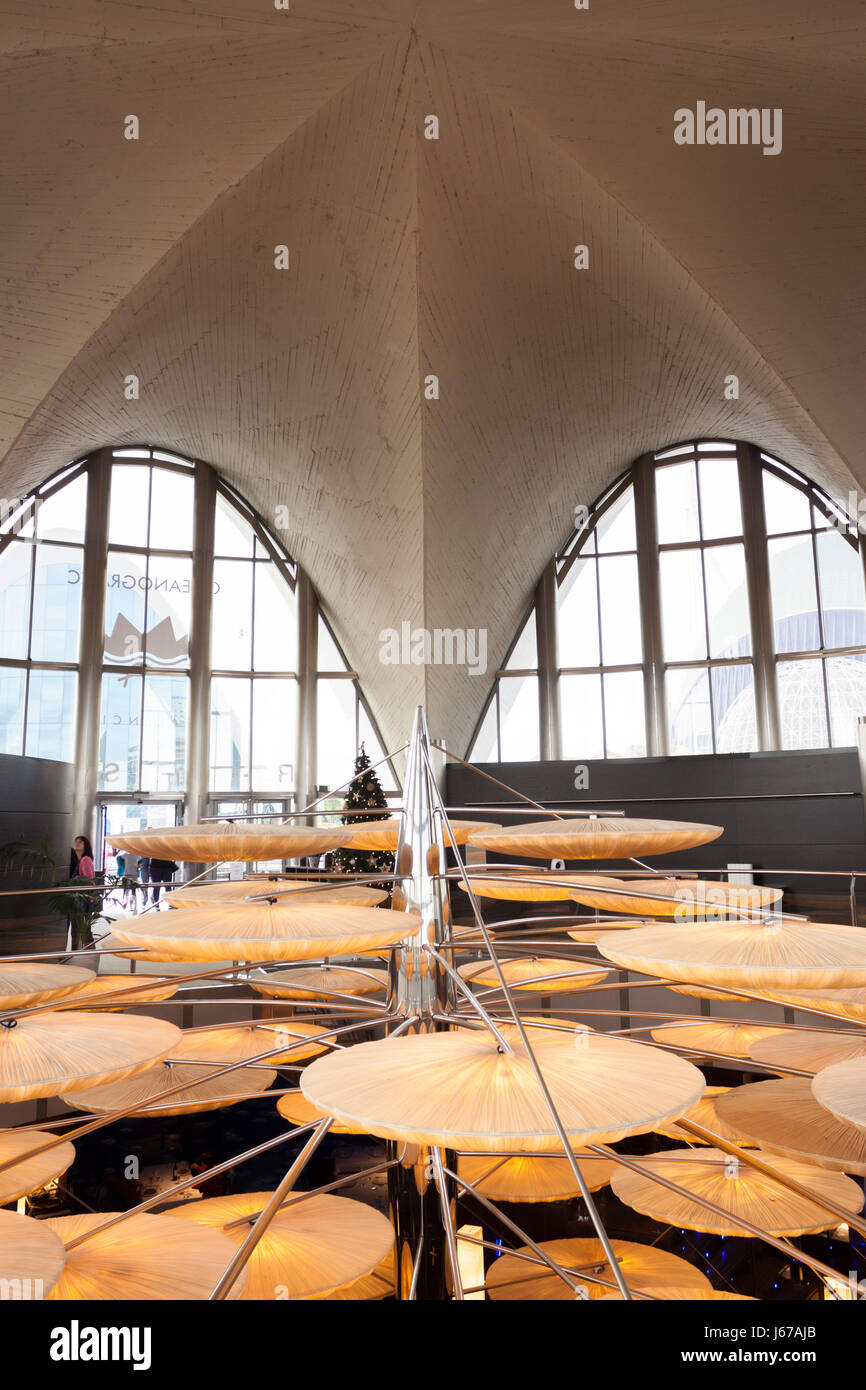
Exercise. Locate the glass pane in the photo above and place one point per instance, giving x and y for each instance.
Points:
(275, 720)
(171, 510)
(375, 751)
(163, 738)
(275, 647)
(12, 685)
(229, 734)
(689, 720)
(846, 681)
(677, 503)
(61, 517)
(525, 654)
(232, 535)
(329, 655)
(232, 618)
(620, 610)
(727, 601)
(129, 505)
(578, 617)
(582, 730)
(720, 498)
(802, 704)
(616, 529)
(120, 733)
(51, 701)
(169, 610)
(14, 599)
(125, 588)
(793, 596)
(56, 604)
(786, 507)
(337, 744)
(518, 718)
(624, 715)
(485, 749)
(840, 579)
(682, 600)
(734, 709)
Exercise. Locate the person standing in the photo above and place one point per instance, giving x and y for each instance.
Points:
(143, 867)
(81, 860)
(161, 871)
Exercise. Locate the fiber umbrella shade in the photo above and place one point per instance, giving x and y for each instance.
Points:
(508, 885)
(805, 1050)
(672, 897)
(553, 975)
(785, 1117)
(308, 891)
(708, 1038)
(742, 1191)
(593, 930)
(841, 1089)
(50, 1054)
(383, 834)
(645, 1269)
(309, 1250)
(379, 1283)
(265, 931)
(599, 837)
(23, 983)
(115, 993)
(706, 1114)
(787, 954)
(295, 1108)
(529, 1179)
(217, 842)
(321, 981)
(689, 1296)
(459, 1091)
(845, 1003)
(30, 1174)
(145, 1257)
(29, 1253)
(111, 945)
(242, 1041)
(215, 1093)
(702, 992)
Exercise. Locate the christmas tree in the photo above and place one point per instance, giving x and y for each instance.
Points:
(364, 794)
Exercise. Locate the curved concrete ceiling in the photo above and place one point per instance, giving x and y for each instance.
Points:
(411, 257)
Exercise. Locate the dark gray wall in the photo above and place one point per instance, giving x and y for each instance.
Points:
(780, 811)
(35, 799)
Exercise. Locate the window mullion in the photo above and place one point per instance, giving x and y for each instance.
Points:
(760, 608)
(650, 606)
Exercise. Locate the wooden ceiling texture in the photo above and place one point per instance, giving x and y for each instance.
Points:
(409, 256)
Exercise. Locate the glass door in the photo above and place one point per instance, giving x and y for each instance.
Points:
(117, 817)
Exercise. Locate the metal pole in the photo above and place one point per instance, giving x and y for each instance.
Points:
(92, 638)
(198, 770)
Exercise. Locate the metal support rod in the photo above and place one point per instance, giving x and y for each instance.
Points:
(264, 1218)
(448, 1223)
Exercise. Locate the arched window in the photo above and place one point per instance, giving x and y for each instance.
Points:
(712, 600)
(150, 633)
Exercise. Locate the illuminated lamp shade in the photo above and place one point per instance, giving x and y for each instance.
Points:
(302, 890)
(31, 1257)
(321, 982)
(599, 837)
(460, 1090)
(50, 1054)
(841, 1089)
(216, 842)
(526, 1178)
(538, 974)
(645, 1268)
(311, 1248)
(143, 1258)
(112, 993)
(266, 931)
(26, 983)
(808, 1050)
(295, 1108)
(844, 1003)
(30, 1174)
(519, 885)
(383, 834)
(742, 1191)
(592, 931)
(708, 1038)
(785, 1117)
(706, 1114)
(243, 1041)
(215, 1093)
(673, 897)
(783, 954)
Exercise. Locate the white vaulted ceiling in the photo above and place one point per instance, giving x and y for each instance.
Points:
(408, 256)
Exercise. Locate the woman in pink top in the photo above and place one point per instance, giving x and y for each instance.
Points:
(82, 859)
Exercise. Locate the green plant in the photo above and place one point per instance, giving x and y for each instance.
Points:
(31, 861)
